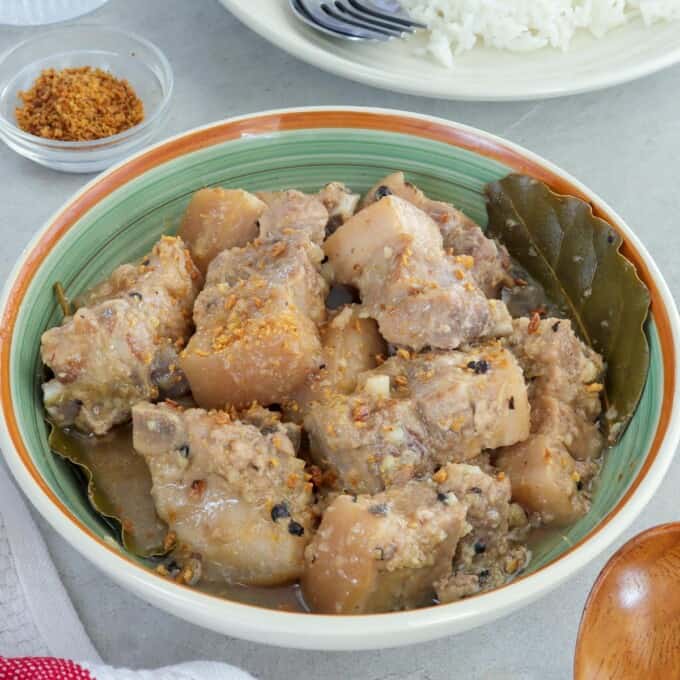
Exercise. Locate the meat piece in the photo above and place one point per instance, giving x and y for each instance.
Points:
(366, 442)
(429, 301)
(392, 252)
(414, 413)
(120, 346)
(558, 364)
(382, 553)
(101, 359)
(233, 493)
(340, 202)
(166, 374)
(270, 421)
(469, 401)
(351, 345)
(290, 263)
(163, 285)
(218, 218)
(256, 338)
(544, 479)
(376, 234)
(490, 553)
(292, 211)
(397, 185)
(338, 199)
(490, 261)
(550, 470)
(578, 433)
(254, 351)
(490, 265)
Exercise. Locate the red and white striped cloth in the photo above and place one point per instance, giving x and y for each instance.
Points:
(42, 668)
(39, 628)
(50, 668)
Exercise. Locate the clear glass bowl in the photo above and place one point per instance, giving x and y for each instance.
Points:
(125, 55)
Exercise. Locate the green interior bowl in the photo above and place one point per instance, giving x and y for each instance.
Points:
(124, 224)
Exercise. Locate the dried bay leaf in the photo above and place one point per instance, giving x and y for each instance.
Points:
(118, 484)
(575, 257)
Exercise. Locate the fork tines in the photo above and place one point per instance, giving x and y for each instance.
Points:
(356, 19)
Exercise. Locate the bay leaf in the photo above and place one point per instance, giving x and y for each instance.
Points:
(118, 484)
(62, 299)
(575, 256)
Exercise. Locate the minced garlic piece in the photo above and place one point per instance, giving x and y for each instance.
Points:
(342, 319)
(396, 435)
(440, 476)
(378, 386)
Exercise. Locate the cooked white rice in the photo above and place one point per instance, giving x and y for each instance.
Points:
(523, 25)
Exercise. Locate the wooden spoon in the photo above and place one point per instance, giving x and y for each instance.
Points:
(630, 626)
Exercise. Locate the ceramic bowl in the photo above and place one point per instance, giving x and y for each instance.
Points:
(119, 215)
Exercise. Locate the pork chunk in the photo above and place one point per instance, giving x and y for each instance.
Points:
(392, 252)
(426, 301)
(544, 479)
(577, 433)
(290, 263)
(251, 352)
(340, 202)
(490, 553)
(256, 336)
(414, 413)
(231, 492)
(164, 285)
(120, 346)
(549, 471)
(490, 264)
(292, 211)
(383, 552)
(387, 226)
(218, 218)
(557, 363)
(351, 345)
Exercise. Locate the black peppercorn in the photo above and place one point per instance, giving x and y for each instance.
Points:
(382, 191)
(295, 528)
(379, 509)
(334, 223)
(173, 568)
(280, 510)
(184, 450)
(480, 547)
(479, 367)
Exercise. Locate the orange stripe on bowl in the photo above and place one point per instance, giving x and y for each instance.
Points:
(299, 120)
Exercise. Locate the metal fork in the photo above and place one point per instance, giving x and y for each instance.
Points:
(356, 19)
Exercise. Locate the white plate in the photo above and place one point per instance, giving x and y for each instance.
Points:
(625, 53)
(40, 12)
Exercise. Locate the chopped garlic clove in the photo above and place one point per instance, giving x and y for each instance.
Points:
(378, 386)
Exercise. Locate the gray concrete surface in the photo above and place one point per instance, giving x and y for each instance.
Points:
(624, 143)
